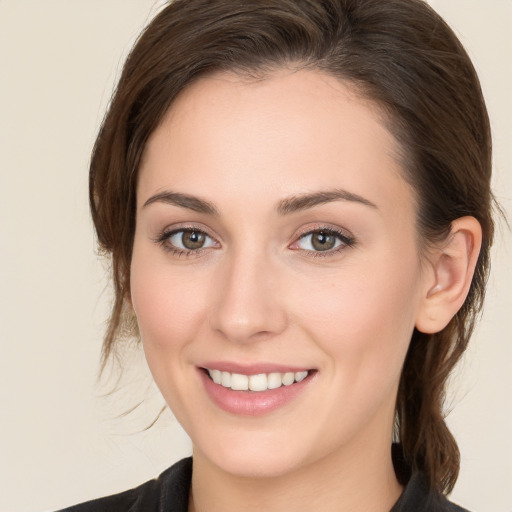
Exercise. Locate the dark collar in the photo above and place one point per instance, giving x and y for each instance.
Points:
(417, 495)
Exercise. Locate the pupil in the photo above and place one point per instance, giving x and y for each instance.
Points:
(322, 241)
(192, 239)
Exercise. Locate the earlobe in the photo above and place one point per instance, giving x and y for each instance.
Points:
(452, 265)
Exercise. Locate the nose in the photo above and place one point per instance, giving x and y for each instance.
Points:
(247, 305)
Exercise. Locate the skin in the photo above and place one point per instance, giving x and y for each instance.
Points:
(257, 292)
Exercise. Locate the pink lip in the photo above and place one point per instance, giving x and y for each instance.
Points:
(251, 403)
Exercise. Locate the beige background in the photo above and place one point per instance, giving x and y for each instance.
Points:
(60, 441)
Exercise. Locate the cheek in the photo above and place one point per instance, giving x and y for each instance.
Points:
(167, 303)
(363, 318)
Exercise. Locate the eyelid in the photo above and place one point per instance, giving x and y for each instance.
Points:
(176, 228)
(324, 227)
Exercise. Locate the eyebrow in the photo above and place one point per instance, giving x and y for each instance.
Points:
(284, 207)
(305, 201)
(184, 201)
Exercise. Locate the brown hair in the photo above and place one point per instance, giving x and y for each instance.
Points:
(398, 53)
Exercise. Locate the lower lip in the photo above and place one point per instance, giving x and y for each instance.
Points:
(252, 403)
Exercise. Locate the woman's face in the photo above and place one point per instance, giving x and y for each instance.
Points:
(276, 243)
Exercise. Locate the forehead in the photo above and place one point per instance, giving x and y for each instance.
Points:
(289, 133)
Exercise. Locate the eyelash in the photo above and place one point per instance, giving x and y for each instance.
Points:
(346, 241)
(164, 240)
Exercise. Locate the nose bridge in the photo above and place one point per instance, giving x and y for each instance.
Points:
(247, 304)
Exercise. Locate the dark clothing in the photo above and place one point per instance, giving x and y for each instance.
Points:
(170, 491)
(416, 497)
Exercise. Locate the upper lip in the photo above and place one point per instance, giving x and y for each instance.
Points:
(252, 368)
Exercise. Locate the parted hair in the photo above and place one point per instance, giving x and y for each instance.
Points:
(399, 54)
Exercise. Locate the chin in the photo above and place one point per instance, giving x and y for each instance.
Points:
(274, 466)
(251, 458)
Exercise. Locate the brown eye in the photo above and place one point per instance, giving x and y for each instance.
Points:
(190, 240)
(322, 241)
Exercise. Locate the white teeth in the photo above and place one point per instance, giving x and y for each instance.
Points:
(288, 378)
(274, 380)
(226, 379)
(239, 382)
(259, 382)
(300, 376)
(216, 376)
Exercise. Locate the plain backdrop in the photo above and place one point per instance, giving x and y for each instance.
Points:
(63, 439)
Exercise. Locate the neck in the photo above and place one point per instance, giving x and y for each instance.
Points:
(354, 478)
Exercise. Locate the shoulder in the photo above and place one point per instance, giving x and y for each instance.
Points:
(167, 492)
(455, 508)
(417, 497)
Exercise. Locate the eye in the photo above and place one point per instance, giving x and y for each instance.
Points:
(323, 240)
(190, 240)
(186, 241)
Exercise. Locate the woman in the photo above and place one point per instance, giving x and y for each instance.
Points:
(296, 197)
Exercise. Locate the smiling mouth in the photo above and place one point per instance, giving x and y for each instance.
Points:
(259, 382)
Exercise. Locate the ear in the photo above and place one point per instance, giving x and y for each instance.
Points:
(450, 271)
